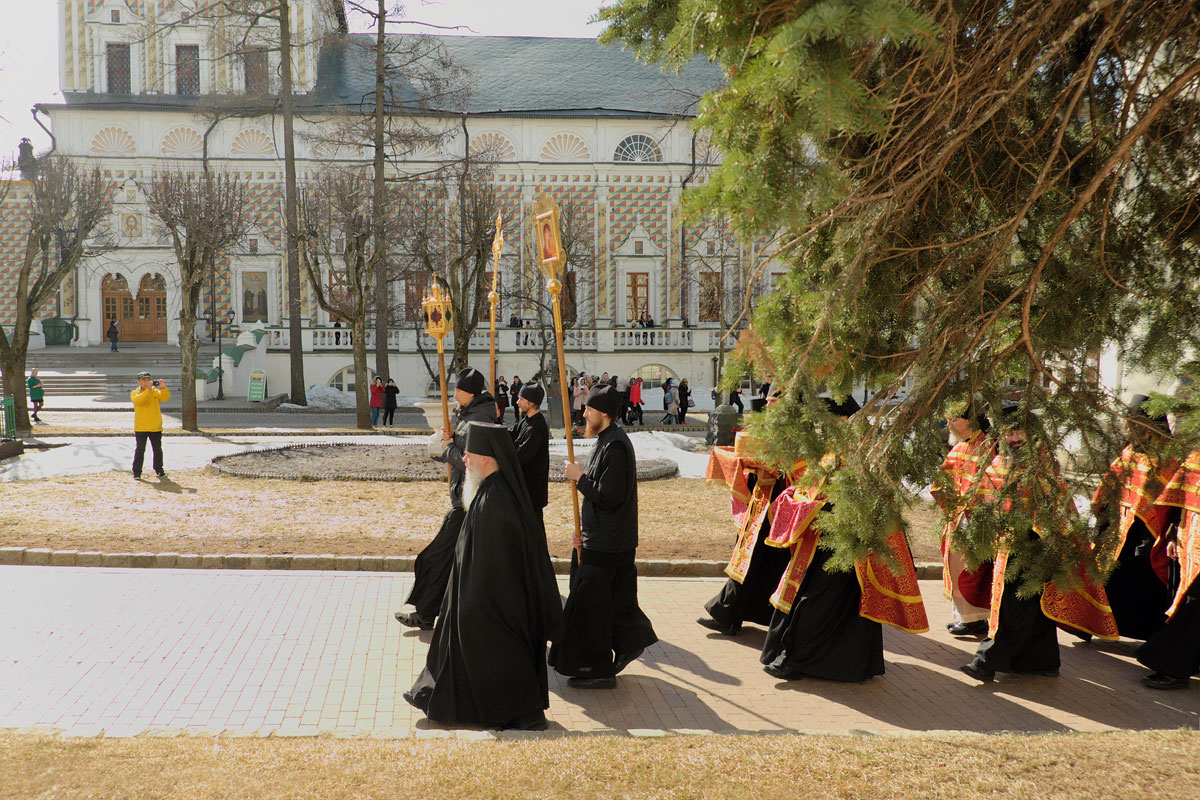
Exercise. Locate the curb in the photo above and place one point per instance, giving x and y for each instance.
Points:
(329, 562)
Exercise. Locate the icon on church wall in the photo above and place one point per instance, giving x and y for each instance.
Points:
(131, 226)
(254, 297)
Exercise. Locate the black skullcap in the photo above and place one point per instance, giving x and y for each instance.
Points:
(1008, 416)
(846, 408)
(533, 393)
(471, 380)
(972, 413)
(486, 439)
(1159, 422)
(605, 399)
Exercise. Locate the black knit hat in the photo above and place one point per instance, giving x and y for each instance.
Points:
(471, 381)
(605, 399)
(533, 393)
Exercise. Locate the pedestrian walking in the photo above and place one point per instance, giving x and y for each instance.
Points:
(37, 394)
(735, 399)
(578, 396)
(376, 401)
(147, 422)
(670, 403)
(390, 392)
(113, 334)
(685, 396)
(514, 391)
(501, 392)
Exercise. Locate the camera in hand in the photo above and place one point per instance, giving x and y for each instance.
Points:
(156, 382)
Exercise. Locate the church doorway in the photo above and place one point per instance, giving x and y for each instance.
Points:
(143, 319)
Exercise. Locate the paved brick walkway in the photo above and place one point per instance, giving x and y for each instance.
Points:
(127, 651)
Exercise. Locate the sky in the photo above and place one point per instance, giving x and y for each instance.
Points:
(29, 45)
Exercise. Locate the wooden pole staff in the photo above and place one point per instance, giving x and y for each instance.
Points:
(438, 319)
(493, 295)
(551, 261)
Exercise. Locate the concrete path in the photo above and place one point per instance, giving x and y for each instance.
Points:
(129, 651)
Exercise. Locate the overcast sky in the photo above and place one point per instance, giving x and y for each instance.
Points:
(29, 45)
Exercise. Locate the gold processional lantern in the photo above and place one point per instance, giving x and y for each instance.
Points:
(439, 320)
(494, 296)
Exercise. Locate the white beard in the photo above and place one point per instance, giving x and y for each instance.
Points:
(471, 486)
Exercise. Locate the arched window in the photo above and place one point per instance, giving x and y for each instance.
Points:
(638, 147)
(653, 375)
(343, 380)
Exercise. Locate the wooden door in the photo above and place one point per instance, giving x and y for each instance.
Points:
(637, 296)
(143, 320)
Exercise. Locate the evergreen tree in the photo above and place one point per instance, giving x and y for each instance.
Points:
(975, 197)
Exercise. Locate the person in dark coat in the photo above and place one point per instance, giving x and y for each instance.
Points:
(514, 390)
(531, 437)
(604, 629)
(685, 400)
(487, 659)
(114, 334)
(390, 392)
(432, 567)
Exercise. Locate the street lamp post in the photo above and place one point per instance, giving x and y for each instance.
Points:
(220, 355)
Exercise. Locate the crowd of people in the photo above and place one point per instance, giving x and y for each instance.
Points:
(827, 624)
(486, 587)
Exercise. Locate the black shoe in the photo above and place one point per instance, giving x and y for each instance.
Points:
(1160, 681)
(781, 672)
(412, 619)
(592, 683)
(978, 673)
(623, 660)
(534, 721)
(137, 476)
(713, 625)
(419, 702)
(161, 474)
(977, 628)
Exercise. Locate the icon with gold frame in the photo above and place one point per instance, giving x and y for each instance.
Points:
(548, 242)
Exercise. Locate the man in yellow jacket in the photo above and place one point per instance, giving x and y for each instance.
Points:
(147, 421)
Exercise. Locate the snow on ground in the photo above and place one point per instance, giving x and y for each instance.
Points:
(325, 397)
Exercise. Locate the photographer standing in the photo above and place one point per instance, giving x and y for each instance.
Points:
(147, 421)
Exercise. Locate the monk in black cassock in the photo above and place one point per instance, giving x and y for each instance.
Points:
(531, 436)
(487, 660)
(432, 567)
(823, 636)
(604, 629)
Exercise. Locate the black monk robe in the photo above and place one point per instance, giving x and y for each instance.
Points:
(432, 566)
(487, 660)
(602, 619)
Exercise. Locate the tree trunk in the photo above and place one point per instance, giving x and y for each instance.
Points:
(187, 374)
(13, 360)
(295, 341)
(378, 253)
(362, 382)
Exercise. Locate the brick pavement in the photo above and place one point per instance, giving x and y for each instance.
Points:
(130, 651)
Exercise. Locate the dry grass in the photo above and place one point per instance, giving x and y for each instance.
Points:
(205, 512)
(1124, 766)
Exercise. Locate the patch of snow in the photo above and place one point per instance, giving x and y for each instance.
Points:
(325, 397)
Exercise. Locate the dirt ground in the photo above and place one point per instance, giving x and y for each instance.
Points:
(1121, 765)
(202, 511)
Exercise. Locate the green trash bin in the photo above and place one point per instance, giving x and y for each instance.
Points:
(9, 409)
(58, 331)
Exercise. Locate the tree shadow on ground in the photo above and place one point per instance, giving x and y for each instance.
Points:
(638, 702)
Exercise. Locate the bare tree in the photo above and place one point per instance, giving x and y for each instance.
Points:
(336, 217)
(205, 216)
(459, 250)
(61, 210)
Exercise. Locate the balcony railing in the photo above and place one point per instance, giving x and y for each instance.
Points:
(513, 340)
